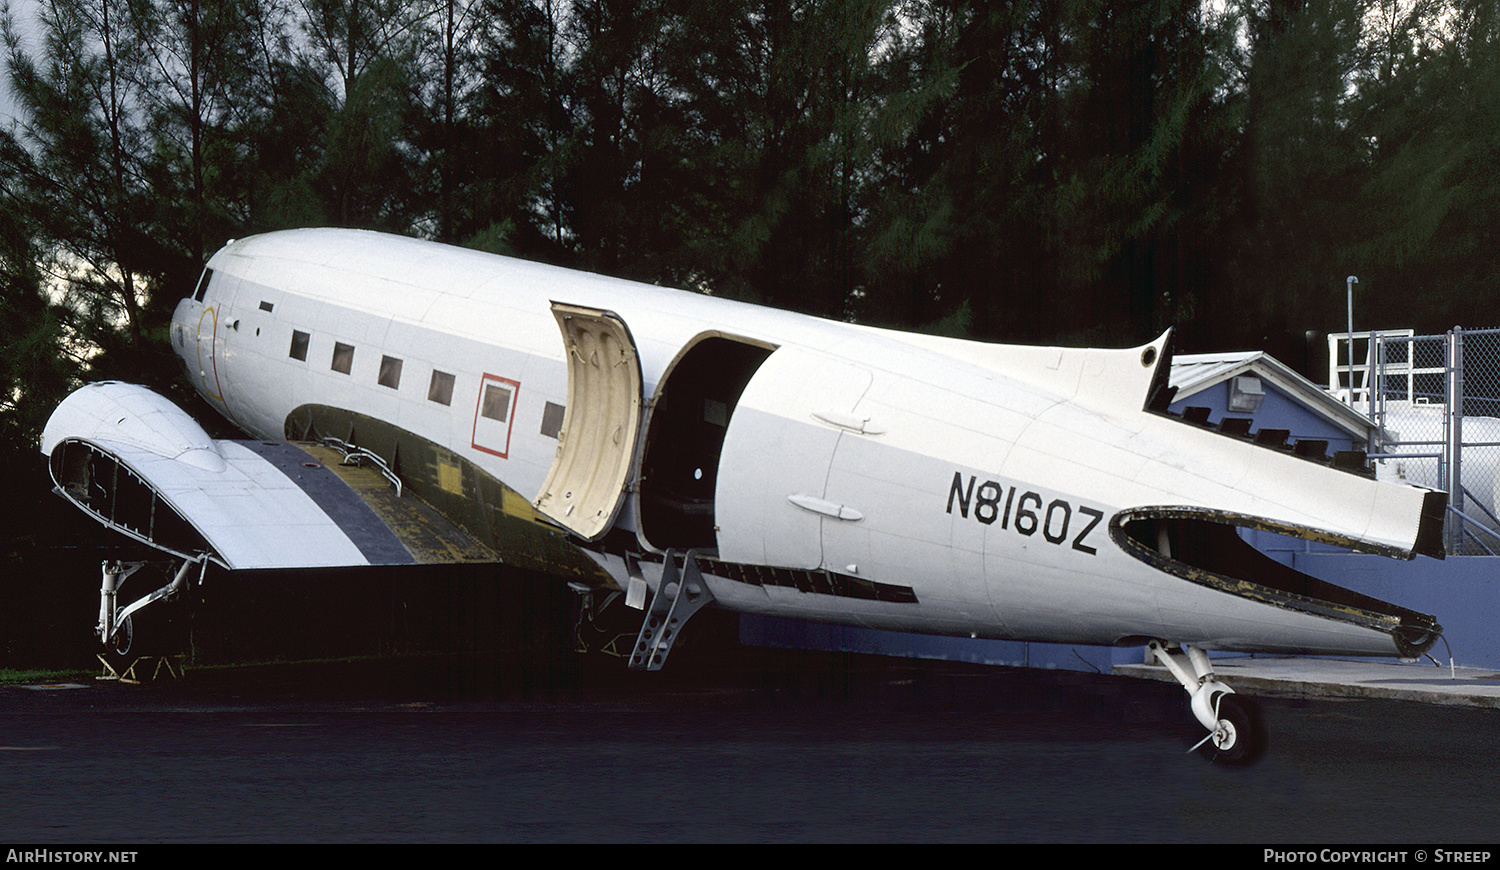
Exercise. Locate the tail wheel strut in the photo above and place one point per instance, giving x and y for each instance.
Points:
(1236, 735)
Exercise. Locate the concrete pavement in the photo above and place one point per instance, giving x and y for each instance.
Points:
(1336, 678)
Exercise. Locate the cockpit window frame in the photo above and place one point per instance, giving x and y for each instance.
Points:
(203, 281)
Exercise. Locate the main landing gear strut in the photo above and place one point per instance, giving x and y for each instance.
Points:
(124, 642)
(1235, 734)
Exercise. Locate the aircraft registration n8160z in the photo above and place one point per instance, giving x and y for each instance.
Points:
(688, 450)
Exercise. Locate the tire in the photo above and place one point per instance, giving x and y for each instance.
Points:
(1240, 738)
(120, 650)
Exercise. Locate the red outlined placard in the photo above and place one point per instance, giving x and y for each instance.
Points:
(494, 414)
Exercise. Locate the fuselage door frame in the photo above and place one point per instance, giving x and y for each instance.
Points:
(683, 436)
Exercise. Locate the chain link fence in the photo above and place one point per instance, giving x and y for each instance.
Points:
(1435, 400)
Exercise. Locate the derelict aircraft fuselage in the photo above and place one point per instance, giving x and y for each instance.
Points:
(813, 469)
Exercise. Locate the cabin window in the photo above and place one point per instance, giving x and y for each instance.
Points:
(390, 372)
(440, 390)
(552, 419)
(299, 345)
(496, 404)
(267, 306)
(343, 357)
(207, 276)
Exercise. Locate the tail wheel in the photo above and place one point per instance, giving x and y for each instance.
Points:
(1239, 736)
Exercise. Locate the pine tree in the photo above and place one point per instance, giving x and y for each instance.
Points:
(85, 187)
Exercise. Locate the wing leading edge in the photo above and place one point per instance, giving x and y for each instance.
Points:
(140, 465)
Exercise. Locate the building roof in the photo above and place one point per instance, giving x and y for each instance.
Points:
(1194, 373)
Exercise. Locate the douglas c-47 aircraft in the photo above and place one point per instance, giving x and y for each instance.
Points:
(687, 450)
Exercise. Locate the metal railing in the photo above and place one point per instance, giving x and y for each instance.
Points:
(1434, 401)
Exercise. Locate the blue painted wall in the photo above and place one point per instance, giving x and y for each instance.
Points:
(789, 634)
(1463, 592)
(1278, 410)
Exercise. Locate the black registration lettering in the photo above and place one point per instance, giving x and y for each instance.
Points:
(987, 502)
(983, 499)
(1057, 508)
(1026, 518)
(963, 495)
(1094, 518)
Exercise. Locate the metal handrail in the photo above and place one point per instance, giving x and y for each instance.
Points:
(356, 455)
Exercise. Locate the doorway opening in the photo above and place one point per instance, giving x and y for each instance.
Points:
(685, 435)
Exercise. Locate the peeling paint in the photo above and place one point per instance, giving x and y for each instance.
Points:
(1205, 532)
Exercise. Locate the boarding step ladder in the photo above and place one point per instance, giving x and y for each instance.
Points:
(680, 594)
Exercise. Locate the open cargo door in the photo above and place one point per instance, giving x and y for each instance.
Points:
(590, 473)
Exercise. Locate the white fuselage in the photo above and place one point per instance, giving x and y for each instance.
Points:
(983, 478)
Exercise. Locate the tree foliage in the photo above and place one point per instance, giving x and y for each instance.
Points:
(1032, 170)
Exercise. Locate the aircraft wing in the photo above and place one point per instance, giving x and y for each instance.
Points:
(140, 465)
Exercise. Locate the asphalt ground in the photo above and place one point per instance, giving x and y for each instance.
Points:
(756, 746)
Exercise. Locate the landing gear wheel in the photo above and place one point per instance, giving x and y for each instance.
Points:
(120, 652)
(1239, 737)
